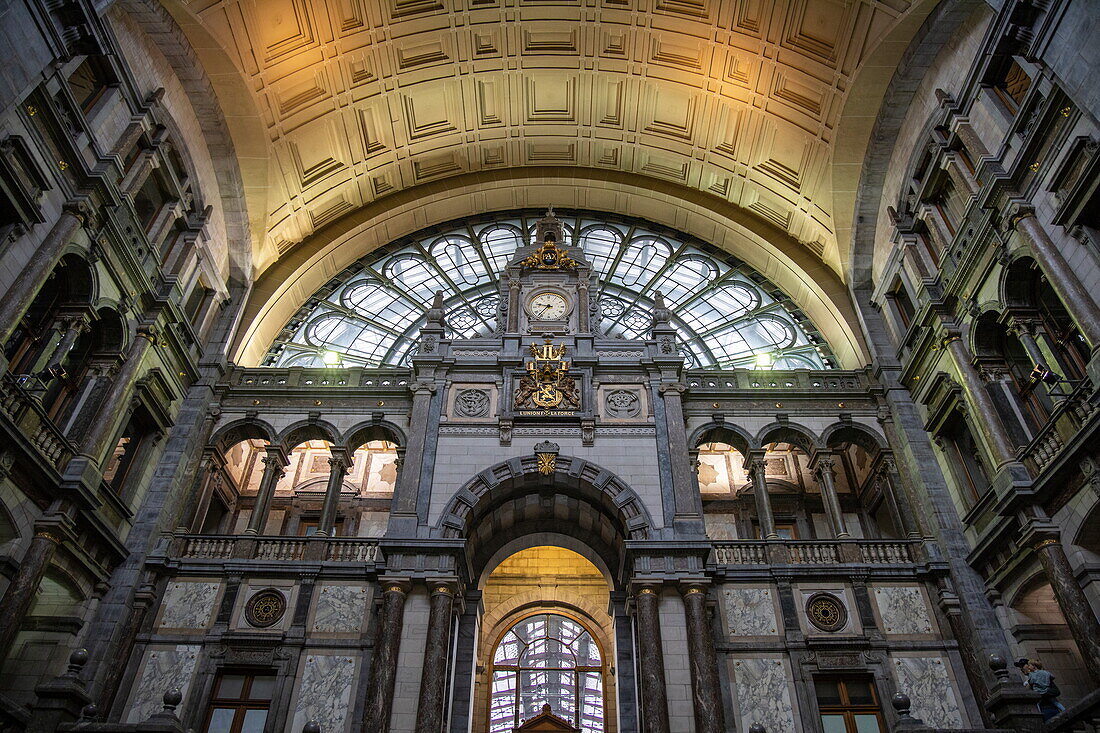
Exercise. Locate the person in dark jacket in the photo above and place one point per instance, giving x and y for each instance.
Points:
(1042, 682)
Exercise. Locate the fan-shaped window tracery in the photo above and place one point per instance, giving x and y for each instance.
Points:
(727, 315)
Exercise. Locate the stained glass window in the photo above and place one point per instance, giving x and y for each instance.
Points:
(726, 313)
(546, 660)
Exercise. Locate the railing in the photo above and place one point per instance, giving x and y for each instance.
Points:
(25, 412)
(822, 552)
(1081, 717)
(338, 378)
(821, 380)
(284, 549)
(1068, 417)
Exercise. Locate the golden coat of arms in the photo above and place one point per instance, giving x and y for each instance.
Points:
(547, 384)
(549, 257)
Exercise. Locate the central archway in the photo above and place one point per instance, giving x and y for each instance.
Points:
(522, 527)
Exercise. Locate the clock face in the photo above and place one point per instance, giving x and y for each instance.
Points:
(547, 307)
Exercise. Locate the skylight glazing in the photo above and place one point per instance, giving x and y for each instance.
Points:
(727, 315)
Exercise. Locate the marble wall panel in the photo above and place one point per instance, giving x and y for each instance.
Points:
(749, 611)
(163, 668)
(763, 694)
(903, 610)
(340, 609)
(928, 684)
(324, 691)
(188, 605)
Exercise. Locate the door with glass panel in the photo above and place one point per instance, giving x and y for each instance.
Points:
(848, 705)
(240, 702)
(547, 659)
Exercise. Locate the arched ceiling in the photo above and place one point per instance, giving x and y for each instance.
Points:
(335, 105)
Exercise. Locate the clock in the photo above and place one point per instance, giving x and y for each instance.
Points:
(547, 307)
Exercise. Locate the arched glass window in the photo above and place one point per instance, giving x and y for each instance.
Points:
(727, 314)
(552, 660)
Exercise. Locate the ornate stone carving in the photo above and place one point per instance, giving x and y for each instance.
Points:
(547, 385)
(826, 612)
(549, 257)
(546, 453)
(471, 403)
(623, 403)
(265, 608)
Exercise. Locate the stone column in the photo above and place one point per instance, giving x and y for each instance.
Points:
(73, 324)
(20, 593)
(383, 663)
(988, 419)
(338, 465)
(760, 491)
(403, 515)
(32, 278)
(891, 484)
(688, 503)
(706, 689)
(651, 659)
(1076, 299)
(275, 463)
(1080, 617)
(825, 466)
(102, 428)
(437, 652)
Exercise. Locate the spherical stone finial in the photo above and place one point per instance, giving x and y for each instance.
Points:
(172, 699)
(89, 711)
(999, 666)
(757, 728)
(311, 727)
(77, 659)
(901, 703)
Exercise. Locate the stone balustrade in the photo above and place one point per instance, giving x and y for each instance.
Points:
(18, 406)
(1067, 419)
(278, 549)
(816, 552)
(797, 380)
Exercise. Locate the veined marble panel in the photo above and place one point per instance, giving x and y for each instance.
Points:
(749, 611)
(324, 692)
(162, 669)
(926, 681)
(340, 608)
(763, 694)
(188, 605)
(903, 610)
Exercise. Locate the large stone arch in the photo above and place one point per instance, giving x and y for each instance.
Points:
(359, 434)
(722, 432)
(579, 499)
(788, 432)
(248, 428)
(299, 432)
(855, 433)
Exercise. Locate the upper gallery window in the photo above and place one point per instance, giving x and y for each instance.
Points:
(727, 314)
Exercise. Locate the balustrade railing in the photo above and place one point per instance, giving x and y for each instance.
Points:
(1068, 417)
(25, 412)
(821, 380)
(289, 549)
(816, 552)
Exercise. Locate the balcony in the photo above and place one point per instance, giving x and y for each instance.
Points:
(33, 424)
(1064, 428)
(812, 557)
(208, 549)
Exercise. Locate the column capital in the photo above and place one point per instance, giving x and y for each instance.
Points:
(276, 455)
(340, 457)
(823, 461)
(695, 586)
(1015, 212)
(395, 585)
(448, 587)
(673, 387)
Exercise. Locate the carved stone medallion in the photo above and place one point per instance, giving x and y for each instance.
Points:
(472, 403)
(826, 612)
(623, 403)
(265, 608)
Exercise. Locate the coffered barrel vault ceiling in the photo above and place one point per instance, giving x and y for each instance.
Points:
(739, 99)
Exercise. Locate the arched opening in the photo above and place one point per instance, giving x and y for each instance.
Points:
(547, 641)
(549, 544)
